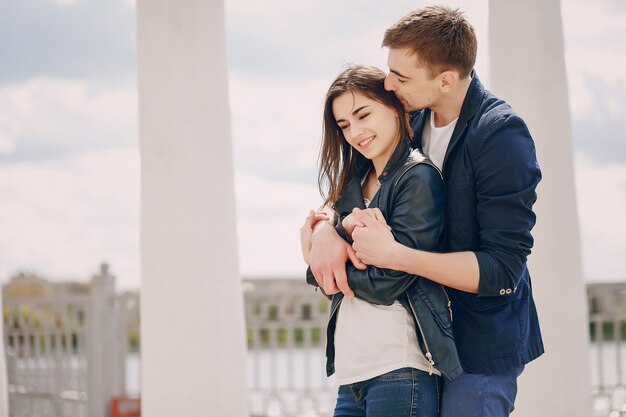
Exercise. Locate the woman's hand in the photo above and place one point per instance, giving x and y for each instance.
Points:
(351, 221)
(326, 253)
(306, 231)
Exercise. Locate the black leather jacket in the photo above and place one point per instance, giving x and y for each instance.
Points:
(411, 197)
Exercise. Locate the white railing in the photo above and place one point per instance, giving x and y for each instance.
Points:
(60, 351)
(607, 353)
(67, 351)
(46, 354)
(286, 328)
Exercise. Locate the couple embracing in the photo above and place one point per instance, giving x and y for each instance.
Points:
(429, 182)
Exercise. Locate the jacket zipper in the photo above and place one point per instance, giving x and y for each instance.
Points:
(429, 356)
(449, 301)
(332, 313)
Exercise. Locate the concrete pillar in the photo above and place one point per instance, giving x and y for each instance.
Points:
(101, 343)
(528, 70)
(193, 349)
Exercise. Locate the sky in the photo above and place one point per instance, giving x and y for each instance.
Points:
(69, 157)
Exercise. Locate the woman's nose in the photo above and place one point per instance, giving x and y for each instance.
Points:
(356, 129)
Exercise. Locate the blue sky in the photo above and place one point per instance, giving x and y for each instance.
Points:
(69, 160)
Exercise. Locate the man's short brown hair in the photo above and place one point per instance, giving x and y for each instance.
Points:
(442, 38)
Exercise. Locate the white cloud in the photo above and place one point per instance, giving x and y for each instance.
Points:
(63, 3)
(270, 214)
(6, 144)
(585, 21)
(276, 197)
(63, 218)
(591, 31)
(277, 125)
(601, 196)
(68, 114)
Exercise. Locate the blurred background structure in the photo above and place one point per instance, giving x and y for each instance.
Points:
(69, 176)
(46, 324)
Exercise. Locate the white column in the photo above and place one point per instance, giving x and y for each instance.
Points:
(192, 332)
(101, 343)
(528, 70)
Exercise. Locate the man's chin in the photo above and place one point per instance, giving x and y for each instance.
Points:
(411, 109)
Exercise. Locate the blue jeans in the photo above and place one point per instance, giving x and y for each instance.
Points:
(405, 392)
(478, 395)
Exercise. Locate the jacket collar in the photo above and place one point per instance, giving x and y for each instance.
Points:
(353, 194)
(402, 150)
(471, 104)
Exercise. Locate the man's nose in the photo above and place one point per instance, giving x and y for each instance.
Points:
(389, 84)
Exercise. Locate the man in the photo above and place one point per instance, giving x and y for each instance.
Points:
(487, 157)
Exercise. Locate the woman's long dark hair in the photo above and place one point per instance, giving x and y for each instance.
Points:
(338, 160)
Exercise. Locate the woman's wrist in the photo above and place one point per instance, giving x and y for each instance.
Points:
(349, 228)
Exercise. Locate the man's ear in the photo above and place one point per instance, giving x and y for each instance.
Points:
(449, 80)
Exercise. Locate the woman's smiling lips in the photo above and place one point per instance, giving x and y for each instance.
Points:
(366, 142)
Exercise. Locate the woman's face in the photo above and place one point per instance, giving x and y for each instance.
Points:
(369, 126)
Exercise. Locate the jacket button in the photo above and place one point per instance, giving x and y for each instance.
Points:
(502, 291)
(508, 291)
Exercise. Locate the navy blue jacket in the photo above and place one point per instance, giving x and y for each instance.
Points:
(411, 197)
(491, 173)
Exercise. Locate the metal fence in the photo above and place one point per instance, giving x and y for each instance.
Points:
(67, 350)
(607, 351)
(286, 329)
(63, 356)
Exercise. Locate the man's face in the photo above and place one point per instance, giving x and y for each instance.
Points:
(411, 81)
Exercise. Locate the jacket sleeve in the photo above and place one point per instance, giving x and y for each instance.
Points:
(506, 176)
(416, 217)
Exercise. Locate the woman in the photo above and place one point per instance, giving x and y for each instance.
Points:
(389, 345)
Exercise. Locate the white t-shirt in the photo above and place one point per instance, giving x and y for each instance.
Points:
(435, 140)
(371, 340)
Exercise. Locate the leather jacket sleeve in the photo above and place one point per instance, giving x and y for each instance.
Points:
(415, 212)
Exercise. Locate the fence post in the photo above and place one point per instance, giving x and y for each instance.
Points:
(100, 343)
(4, 384)
(121, 343)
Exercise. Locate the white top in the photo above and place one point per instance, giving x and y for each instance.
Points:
(435, 140)
(371, 340)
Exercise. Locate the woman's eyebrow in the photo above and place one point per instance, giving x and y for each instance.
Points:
(354, 113)
(359, 109)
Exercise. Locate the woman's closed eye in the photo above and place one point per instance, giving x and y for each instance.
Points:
(363, 116)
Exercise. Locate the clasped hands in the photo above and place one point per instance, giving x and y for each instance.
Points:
(327, 253)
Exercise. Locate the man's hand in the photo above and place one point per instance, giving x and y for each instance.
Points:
(373, 242)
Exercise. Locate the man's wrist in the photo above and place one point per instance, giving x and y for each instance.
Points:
(400, 256)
